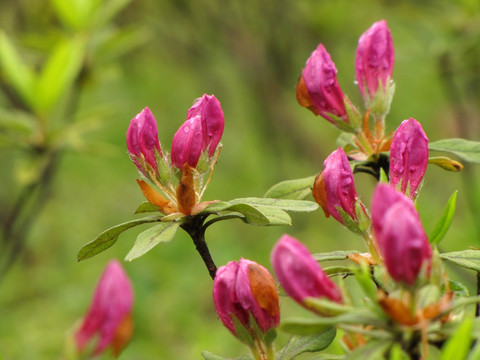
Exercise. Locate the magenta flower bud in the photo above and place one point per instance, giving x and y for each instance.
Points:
(374, 59)
(108, 321)
(142, 141)
(201, 132)
(246, 290)
(334, 188)
(318, 88)
(399, 234)
(408, 157)
(300, 275)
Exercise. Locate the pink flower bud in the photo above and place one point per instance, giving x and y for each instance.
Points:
(142, 140)
(399, 234)
(318, 88)
(108, 321)
(374, 58)
(408, 157)
(201, 131)
(300, 275)
(334, 187)
(246, 290)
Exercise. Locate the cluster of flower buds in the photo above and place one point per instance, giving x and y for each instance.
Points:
(195, 148)
(246, 301)
(399, 234)
(108, 322)
(319, 91)
(300, 275)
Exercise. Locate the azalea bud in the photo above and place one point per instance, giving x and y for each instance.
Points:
(318, 88)
(108, 321)
(334, 188)
(300, 275)
(245, 290)
(142, 141)
(408, 157)
(201, 132)
(374, 59)
(399, 234)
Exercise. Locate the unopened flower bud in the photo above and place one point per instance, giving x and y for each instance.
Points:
(399, 234)
(108, 321)
(245, 290)
(318, 88)
(142, 141)
(374, 59)
(300, 275)
(408, 157)
(334, 187)
(201, 132)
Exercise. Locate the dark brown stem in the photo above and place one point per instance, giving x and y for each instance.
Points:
(193, 225)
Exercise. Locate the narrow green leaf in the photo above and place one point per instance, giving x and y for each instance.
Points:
(446, 163)
(334, 255)
(338, 270)
(297, 189)
(458, 345)
(146, 207)
(326, 307)
(469, 259)
(109, 237)
(309, 343)
(150, 238)
(15, 72)
(465, 149)
(445, 220)
(59, 72)
(284, 204)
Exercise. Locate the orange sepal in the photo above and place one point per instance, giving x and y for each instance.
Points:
(397, 310)
(186, 196)
(155, 198)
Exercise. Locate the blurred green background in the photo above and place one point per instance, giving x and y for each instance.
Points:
(164, 54)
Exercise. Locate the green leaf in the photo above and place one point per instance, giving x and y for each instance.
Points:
(334, 255)
(16, 73)
(466, 150)
(284, 204)
(110, 236)
(254, 215)
(445, 220)
(61, 69)
(209, 356)
(150, 238)
(469, 259)
(217, 207)
(310, 343)
(297, 189)
(146, 207)
(458, 345)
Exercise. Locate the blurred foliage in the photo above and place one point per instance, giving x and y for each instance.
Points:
(164, 54)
